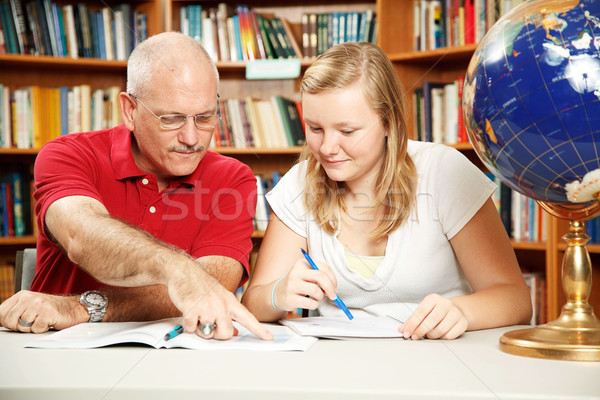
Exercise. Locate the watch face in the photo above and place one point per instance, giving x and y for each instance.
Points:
(95, 299)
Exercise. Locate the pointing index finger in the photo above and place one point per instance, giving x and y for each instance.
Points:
(245, 318)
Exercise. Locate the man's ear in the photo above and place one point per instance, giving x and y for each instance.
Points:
(127, 107)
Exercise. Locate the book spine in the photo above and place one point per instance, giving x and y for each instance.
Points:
(8, 28)
(20, 26)
(260, 44)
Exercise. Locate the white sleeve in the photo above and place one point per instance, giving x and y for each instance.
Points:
(287, 200)
(462, 191)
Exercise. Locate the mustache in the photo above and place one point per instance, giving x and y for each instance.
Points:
(187, 149)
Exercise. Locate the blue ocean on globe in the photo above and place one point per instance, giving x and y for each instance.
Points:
(532, 100)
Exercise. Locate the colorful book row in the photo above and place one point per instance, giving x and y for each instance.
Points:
(33, 115)
(263, 185)
(322, 31)
(445, 23)
(523, 219)
(249, 122)
(41, 27)
(15, 203)
(437, 112)
(238, 34)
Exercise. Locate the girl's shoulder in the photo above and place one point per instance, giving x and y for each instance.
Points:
(427, 150)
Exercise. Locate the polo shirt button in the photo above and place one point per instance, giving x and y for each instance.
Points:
(152, 209)
(145, 181)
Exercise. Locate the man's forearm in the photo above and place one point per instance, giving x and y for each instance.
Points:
(111, 250)
(149, 303)
(146, 303)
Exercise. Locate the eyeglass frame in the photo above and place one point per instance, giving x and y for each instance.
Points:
(159, 117)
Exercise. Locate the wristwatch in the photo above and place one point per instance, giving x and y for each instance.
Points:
(95, 303)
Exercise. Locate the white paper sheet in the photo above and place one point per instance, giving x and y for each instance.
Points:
(343, 328)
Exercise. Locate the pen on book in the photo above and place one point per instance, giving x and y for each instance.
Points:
(338, 302)
(176, 331)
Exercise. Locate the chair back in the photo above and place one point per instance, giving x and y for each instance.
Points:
(24, 269)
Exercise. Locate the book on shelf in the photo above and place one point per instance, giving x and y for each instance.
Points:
(254, 121)
(8, 29)
(437, 112)
(22, 29)
(288, 34)
(592, 228)
(523, 219)
(14, 202)
(430, 115)
(536, 282)
(261, 218)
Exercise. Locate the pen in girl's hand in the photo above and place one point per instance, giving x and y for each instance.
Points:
(338, 302)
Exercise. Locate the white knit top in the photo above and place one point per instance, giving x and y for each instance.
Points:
(419, 259)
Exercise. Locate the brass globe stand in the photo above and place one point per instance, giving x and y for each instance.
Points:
(575, 335)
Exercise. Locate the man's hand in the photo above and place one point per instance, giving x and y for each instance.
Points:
(203, 300)
(43, 310)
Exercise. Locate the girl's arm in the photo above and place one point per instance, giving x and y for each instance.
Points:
(281, 262)
(500, 296)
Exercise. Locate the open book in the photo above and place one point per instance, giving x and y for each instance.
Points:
(91, 335)
(343, 328)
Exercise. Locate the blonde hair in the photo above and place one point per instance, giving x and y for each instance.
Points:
(366, 64)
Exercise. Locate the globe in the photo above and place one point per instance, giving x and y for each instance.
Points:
(531, 100)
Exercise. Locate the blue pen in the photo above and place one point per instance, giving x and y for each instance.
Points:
(176, 331)
(337, 301)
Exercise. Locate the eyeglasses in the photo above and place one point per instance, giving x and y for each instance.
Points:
(176, 121)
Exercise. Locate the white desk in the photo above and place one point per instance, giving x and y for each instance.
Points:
(471, 367)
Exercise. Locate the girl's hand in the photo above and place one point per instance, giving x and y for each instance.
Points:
(303, 287)
(435, 318)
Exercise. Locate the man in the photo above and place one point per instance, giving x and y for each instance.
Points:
(140, 222)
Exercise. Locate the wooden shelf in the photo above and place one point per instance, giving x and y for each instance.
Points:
(257, 150)
(16, 60)
(18, 152)
(523, 245)
(17, 240)
(437, 55)
(462, 146)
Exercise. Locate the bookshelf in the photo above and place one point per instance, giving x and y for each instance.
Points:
(395, 35)
(22, 70)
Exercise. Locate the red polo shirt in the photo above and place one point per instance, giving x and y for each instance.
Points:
(206, 213)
